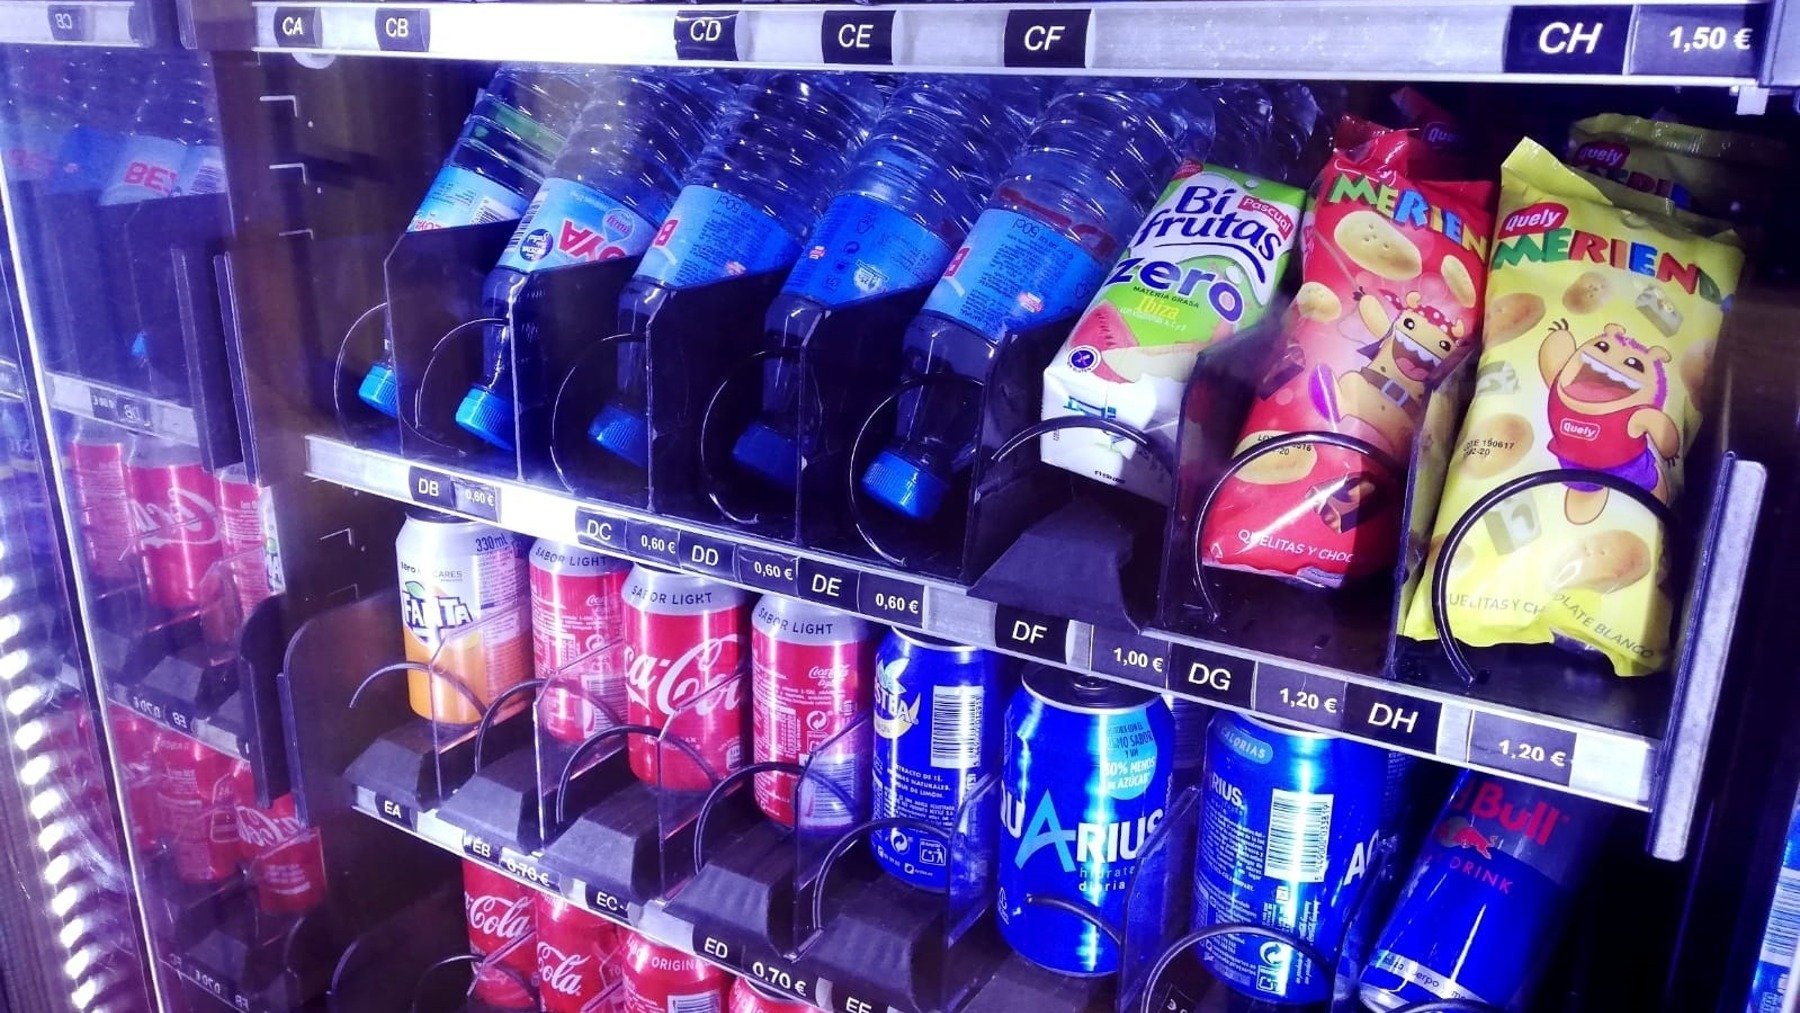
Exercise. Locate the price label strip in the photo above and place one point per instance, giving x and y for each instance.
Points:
(1522, 747)
(121, 409)
(1393, 718)
(1130, 656)
(713, 557)
(901, 602)
(526, 867)
(297, 27)
(396, 813)
(403, 29)
(1211, 677)
(1723, 41)
(1567, 40)
(825, 584)
(605, 902)
(766, 969)
(1032, 633)
(602, 531)
(657, 543)
(768, 570)
(1316, 701)
(68, 23)
(441, 491)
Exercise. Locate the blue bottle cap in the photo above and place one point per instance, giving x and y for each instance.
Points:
(770, 453)
(380, 390)
(487, 415)
(903, 486)
(622, 432)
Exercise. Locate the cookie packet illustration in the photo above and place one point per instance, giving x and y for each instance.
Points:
(1604, 314)
(1204, 264)
(1393, 264)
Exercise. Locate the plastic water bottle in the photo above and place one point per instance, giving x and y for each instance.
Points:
(40, 112)
(1094, 162)
(909, 199)
(170, 122)
(104, 111)
(747, 205)
(204, 171)
(605, 197)
(506, 145)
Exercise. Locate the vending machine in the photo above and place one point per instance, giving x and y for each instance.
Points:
(1160, 505)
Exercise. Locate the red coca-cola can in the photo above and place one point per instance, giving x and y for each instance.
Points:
(811, 676)
(501, 930)
(578, 638)
(749, 997)
(100, 496)
(177, 523)
(134, 739)
(197, 807)
(286, 859)
(684, 639)
(658, 979)
(243, 538)
(574, 949)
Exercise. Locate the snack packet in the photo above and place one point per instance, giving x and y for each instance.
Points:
(1715, 173)
(1393, 261)
(1204, 264)
(1600, 325)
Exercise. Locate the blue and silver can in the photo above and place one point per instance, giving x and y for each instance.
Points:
(1084, 781)
(937, 735)
(1488, 897)
(1291, 824)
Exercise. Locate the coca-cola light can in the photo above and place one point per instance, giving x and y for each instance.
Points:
(502, 931)
(811, 677)
(684, 638)
(248, 546)
(134, 742)
(286, 859)
(101, 501)
(658, 979)
(574, 952)
(177, 523)
(578, 638)
(749, 997)
(454, 574)
(197, 807)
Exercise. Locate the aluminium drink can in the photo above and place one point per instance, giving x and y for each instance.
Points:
(578, 638)
(684, 641)
(1291, 822)
(1083, 786)
(454, 574)
(937, 736)
(810, 673)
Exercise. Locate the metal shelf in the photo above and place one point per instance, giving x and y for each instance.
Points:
(1385, 40)
(83, 23)
(166, 715)
(1587, 759)
(122, 407)
(216, 985)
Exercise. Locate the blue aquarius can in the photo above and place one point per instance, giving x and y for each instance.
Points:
(937, 735)
(1084, 782)
(1291, 830)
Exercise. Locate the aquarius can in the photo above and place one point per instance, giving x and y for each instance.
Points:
(937, 735)
(1083, 784)
(1290, 824)
(454, 574)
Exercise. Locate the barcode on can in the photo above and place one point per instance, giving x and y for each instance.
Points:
(706, 1002)
(1299, 834)
(955, 726)
(1783, 931)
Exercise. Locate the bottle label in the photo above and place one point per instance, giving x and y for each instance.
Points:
(204, 171)
(863, 248)
(459, 197)
(147, 169)
(1013, 273)
(712, 235)
(568, 223)
(87, 158)
(31, 149)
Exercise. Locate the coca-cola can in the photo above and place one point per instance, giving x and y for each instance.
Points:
(134, 741)
(578, 638)
(573, 951)
(285, 858)
(99, 494)
(658, 979)
(811, 676)
(197, 807)
(245, 542)
(684, 639)
(749, 997)
(177, 523)
(501, 929)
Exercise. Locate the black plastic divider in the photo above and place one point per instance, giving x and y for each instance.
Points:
(558, 318)
(499, 805)
(385, 967)
(256, 706)
(434, 280)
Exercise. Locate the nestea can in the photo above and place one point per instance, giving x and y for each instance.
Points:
(1290, 826)
(1083, 784)
(453, 574)
(936, 723)
(809, 683)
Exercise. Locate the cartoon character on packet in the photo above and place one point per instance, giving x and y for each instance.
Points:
(1606, 413)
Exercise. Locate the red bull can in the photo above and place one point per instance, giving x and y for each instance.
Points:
(1291, 823)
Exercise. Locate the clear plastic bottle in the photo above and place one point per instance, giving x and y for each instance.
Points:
(170, 121)
(604, 199)
(507, 143)
(747, 205)
(915, 189)
(105, 106)
(40, 111)
(1095, 161)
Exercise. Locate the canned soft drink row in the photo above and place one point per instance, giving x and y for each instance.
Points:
(198, 806)
(539, 952)
(147, 510)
